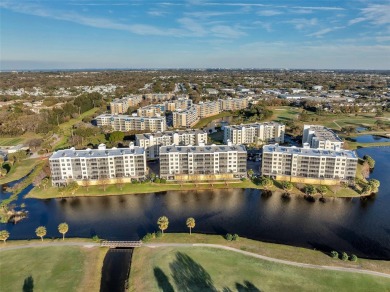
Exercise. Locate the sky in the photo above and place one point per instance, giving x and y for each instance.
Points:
(291, 34)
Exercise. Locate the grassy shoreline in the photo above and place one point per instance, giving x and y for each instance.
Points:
(145, 188)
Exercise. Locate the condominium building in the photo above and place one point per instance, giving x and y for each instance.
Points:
(257, 133)
(315, 136)
(97, 165)
(185, 118)
(157, 97)
(153, 110)
(127, 123)
(233, 104)
(178, 104)
(121, 105)
(208, 108)
(317, 166)
(153, 142)
(209, 162)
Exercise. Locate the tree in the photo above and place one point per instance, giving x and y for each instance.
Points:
(374, 184)
(162, 223)
(369, 160)
(367, 189)
(250, 172)
(310, 190)
(72, 187)
(63, 228)
(4, 234)
(40, 232)
(116, 136)
(353, 258)
(344, 256)
(287, 186)
(266, 182)
(86, 183)
(190, 223)
(44, 183)
(322, 190)
(334, 254)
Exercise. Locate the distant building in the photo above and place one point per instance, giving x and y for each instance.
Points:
(153, 142)
(233, 104)
(315, 136)
(121, 105)
(127, 123)
(212, 91)
(256, 133)
(153, 110)
(157, 97)
(178, 104)
(302, 165)
(208, 108)
(185, 118)
(97, 166)
(317, 87)
(209, 162)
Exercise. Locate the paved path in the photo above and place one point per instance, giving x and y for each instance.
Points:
(157, 245)
(302, 265)
(4, 247)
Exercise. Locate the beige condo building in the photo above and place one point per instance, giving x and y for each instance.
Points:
(127, 123)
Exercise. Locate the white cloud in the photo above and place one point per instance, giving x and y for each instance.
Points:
(269, 12)
(324, 31)
(302, 23)
(377, 14)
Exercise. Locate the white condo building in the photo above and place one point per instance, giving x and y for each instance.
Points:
(185, 118)
(153, 142)
(315, 136)
(206, 162)
(127, 123)
(95, 165)
(257, 133)
(309, 165)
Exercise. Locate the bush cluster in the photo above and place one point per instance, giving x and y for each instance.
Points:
(230, 237)
(344, 256)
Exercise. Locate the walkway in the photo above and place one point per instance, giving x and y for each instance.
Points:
(157, 245)
(302, 265)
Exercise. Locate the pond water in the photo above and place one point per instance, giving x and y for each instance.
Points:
(352, 225)
(371, 139)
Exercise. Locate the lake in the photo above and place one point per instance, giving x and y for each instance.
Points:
(370, 139)
(352, 225)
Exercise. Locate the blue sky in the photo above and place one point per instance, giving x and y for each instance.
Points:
(46, 34)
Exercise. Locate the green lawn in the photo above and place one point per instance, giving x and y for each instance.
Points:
(20, 169)
(205, 121)
(51, 269)
(209, 269)
(10, 141)
(128, 188)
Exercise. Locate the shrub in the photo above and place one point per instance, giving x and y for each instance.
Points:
(334, 254)
(344, 256)
(157, 181)
(163, 180)
(353, 258)
(95, 238)
(147, 237)
(229, 237)
(235, 237)
(159, 234)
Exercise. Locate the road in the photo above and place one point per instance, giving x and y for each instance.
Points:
(159, 245)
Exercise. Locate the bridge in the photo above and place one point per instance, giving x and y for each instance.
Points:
(119, 244)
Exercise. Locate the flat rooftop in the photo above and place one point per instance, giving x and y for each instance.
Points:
(168, 133)
(202, 149)
(322, 133)
(253, 125)
(97, 153)
(308, 151)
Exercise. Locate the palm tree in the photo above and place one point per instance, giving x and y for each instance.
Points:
(4, 234)
(63, 228)
(40, 232)
(162, 223)
(44, 183)
(190, 223)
